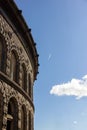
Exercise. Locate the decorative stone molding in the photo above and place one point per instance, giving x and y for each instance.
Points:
(10, 89)
(9, 92)
(13, 43)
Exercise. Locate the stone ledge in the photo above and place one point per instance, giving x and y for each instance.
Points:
(13, 84)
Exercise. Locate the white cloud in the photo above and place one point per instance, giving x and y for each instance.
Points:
(75, 87)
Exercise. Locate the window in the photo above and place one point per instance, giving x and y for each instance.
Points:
(29, 85)
(23, 118)
(12, 115)
(29, 120)
(24, 77)
(1, 110)
(14, 67)
(2, 54)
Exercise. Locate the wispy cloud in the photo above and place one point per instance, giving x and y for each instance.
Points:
(84, 114)
(75, 122)
(75, 87)
(49, 57)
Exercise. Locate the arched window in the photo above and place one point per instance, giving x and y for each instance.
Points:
(29, 120)
(23, 118)
(12, 115)
(24, 77)
(1, 110)
(29, 85)
(1, 46)
(14, 67)
(2, 54)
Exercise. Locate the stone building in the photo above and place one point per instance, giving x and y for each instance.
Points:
(18, 69)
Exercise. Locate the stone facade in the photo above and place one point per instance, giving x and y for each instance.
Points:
(18, 71)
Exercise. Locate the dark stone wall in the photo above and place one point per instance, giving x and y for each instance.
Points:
(1, 110)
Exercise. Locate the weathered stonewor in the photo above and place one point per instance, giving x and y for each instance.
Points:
(18, 69)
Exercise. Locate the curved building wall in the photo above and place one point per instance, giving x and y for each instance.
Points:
(16, 81)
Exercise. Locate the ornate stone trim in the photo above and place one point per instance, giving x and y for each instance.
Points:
(9, 92)
(13, 43)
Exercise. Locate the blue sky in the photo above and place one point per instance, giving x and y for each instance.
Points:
(59, 27)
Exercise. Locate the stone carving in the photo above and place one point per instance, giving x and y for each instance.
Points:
(9, 92)
(13, 43)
